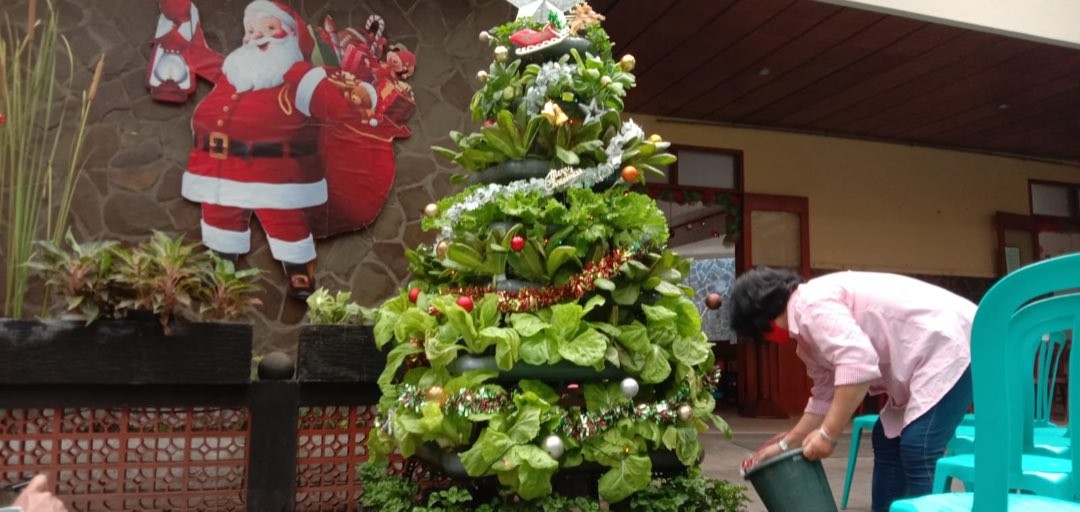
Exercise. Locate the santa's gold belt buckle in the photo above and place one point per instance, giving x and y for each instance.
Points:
(218, 146)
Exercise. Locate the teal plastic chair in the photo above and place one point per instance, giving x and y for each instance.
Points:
(1049, 439)
(1001, 371)
(1045, 475)
(860, 423)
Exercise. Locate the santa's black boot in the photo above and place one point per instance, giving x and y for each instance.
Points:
(301, 279)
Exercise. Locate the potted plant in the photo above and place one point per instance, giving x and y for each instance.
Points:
(134, 316)
(338, 344)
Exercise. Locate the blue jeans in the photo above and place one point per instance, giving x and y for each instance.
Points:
(904, 466)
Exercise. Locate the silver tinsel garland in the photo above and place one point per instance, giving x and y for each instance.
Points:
(586, 178)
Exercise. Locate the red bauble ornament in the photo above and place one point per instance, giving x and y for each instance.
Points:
(714, 301)
(630, 173)
(517, 243)
(414, 294)
(465, 302)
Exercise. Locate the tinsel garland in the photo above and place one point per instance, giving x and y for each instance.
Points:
(587, 177)
(532, 299)
(577, 426)
(465, 402)
(550, 73)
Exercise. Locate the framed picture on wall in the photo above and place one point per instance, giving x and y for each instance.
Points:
(1012, 258)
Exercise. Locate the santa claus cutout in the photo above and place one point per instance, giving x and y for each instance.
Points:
(305, 148)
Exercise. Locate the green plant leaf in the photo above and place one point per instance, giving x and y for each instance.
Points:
(626, 294)
(691, 351)
(657, 368)
(526, 425)
(667, 289)
(540, 389)
(600, 395)
(442, 348)
(630, 475)
(587, 349)
(527, 324)
(488, 448)
(461, 320)
(413, 324)
(393, 361)
(689, 447)
(507, 343)
(558, 257)
(565, 320)
(566, 156)
(465, 256)
(604, 284)
(635, 337)
(534, 468)
(539, 349)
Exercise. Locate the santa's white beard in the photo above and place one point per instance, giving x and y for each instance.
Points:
(249, 69)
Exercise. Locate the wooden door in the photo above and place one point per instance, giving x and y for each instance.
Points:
(776, 233)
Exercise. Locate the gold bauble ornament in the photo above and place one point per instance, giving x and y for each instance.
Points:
(441, 248)
(436, 394)
(554, 113)
(501, 52)
(655, 138)
(482, 76)
(431, 210)
(686, 413)
(627, 62)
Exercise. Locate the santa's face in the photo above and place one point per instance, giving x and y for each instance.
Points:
(263, 31)
(270, 49)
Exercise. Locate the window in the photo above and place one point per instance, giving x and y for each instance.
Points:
(1054, 199)
(704, 168)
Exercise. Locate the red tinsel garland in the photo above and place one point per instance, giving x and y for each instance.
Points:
(533, 299)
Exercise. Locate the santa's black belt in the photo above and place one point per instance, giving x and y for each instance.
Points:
(221, 146)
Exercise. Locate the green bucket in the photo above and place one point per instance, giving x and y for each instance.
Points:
(790, 483)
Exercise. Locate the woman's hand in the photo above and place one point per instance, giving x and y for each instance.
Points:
(816, 446)
(37, 497)
(769, 449)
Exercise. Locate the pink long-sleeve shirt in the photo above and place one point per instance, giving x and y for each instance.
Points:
(910, 340)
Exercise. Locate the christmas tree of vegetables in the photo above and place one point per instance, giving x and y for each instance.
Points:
(548, 328)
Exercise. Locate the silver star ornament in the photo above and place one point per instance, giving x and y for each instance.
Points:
(538, 10)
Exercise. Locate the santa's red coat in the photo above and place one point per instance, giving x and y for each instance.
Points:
(277, 115)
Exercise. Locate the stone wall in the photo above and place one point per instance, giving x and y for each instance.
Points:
(138, 148)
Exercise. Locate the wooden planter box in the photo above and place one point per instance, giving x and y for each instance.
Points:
(339, 353)
(123, 352)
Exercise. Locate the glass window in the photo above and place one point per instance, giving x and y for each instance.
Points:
(1050, 199)
(707, 169)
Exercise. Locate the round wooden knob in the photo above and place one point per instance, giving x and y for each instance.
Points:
(276, 366)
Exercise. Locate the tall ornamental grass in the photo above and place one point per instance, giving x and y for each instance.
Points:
(41, 142)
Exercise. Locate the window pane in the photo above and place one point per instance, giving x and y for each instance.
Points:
(706, 169)
(1049, 200)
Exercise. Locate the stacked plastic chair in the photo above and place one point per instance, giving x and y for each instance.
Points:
(1003, 349)
(1049, 439)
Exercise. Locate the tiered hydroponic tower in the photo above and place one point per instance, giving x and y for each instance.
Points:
(547, 330)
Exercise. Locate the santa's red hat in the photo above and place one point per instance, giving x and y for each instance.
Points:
(287, 16)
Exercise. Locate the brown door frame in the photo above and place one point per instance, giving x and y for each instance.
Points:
(761, 366)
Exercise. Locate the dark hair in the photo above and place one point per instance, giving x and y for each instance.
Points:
(758, 297)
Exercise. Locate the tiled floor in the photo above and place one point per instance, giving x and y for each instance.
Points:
(722, 458)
